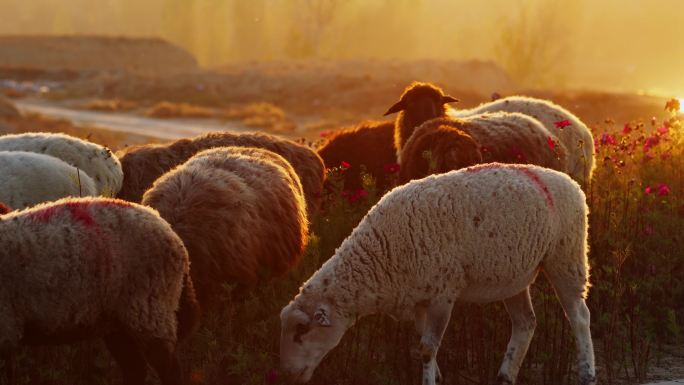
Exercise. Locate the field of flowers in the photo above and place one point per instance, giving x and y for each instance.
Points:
(637, 299)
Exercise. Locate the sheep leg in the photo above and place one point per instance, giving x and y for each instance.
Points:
(570, 292)
(162, 357)
(435, 323)
(128, 356)
(577, 312)
(523, 323)
(420, 321)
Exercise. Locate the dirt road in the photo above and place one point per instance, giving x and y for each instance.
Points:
(163, 129)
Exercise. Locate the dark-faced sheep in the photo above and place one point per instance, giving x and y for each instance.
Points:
(142, 165)
(498, 137)
(97, 268)
(479, 235)
(419, 103)
(368, 144)
(240, 214)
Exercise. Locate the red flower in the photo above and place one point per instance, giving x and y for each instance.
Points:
(651, 142)
(672, 105)
(551, 143)
(345, 165)
(627, 129)
(648, 190)
(355, 196)
(663, 189)
(562, 123)
(392, 167)
(607, 138)
(663, 129)
(323, 134)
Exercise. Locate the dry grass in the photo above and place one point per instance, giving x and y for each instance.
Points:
(179, 110)
(110, 105)
(265, 116)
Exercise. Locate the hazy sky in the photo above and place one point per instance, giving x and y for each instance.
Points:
(616, 44)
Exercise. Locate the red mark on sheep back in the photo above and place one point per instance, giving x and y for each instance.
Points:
(562, 123)
(538, 182)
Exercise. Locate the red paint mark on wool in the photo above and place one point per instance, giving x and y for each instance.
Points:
(538, 182)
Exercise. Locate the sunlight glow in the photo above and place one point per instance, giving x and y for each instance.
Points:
(681, 104)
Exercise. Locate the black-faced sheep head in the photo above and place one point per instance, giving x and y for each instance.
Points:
(423, 100)
(4, 209)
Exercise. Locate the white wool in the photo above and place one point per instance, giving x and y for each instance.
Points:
(576, 137)
(97, 161)
(477, 234)
(29, 178)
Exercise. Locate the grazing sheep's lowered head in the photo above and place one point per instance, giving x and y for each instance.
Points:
(95, 160)
(436, 150)
(420, 102)
(29, 178)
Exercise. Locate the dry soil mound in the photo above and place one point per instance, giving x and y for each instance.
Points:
(79, 53)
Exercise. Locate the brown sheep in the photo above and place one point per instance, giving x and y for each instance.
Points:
(436, 149)
(240, 213)
(368, 144)
(498, 137)
(419, 103)
(143, 164)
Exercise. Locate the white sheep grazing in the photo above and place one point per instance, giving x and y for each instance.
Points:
(29, 178)
(96, 268)
(97, 161)
(571, 131)
(479, 234)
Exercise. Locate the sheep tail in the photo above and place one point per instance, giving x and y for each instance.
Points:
(188, 315)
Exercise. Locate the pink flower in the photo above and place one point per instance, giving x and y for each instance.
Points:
(627, 129)
(562, 124)
(651, 142)
(663, 129)
(551, 143)
(663, 189)
(607, 138)
(392, 167)
(323, 134)
(648, 190)
(345, 165)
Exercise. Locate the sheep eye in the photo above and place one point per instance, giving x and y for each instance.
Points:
(300, 330)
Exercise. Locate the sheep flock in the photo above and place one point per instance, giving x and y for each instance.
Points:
(138, 247)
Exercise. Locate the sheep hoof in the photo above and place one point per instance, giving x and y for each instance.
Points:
(502, 379)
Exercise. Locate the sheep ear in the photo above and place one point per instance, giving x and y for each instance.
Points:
(321, 316)
(449, 99)
(398, 106)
